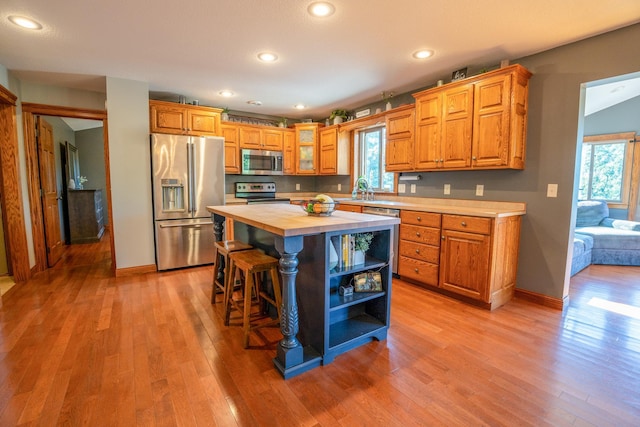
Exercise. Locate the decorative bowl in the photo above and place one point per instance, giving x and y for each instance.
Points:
(316, 207)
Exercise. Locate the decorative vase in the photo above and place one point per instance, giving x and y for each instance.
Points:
(388, 106)
(358, 257)
(337, 120)
(225, 117)
(333, 257)
(281, 124)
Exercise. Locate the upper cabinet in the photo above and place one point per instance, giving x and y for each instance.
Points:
(400, 126)
(231, 148)
(183, 119)
(260, 138)
(306, 148)
(334, 151)
(476, 123)
(289, 152)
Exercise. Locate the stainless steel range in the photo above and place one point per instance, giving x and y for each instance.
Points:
(258, 192)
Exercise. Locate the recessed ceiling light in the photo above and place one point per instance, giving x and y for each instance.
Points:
(321, 9)
(23, 22)
(423, 54)
(299, 106)
(267, 57)
(226, 93)
(253, 102)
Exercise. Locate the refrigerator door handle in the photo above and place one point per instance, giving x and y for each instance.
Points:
(198, 225)
(190, 177)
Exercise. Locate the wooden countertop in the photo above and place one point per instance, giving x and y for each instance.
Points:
(482, 208)
(289, 220)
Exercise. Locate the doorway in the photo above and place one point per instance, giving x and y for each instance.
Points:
(607, 164)
(31, 112)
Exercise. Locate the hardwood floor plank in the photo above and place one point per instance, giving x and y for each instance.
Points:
(79, 347)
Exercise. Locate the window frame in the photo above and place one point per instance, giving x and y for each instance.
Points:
(360, 142)
(631, 174)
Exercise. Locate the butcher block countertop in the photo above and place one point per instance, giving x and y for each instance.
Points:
(290, 220)
(482, 208)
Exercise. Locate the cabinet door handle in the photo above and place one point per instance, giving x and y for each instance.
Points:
(417, 251)
(464, 224)
(417, 233)
(419, 218)
(416, 270)
(474, 157)
(442, 237)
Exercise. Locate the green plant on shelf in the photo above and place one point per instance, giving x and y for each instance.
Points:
(363, 241)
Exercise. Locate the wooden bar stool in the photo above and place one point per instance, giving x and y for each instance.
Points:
(252, 263)
(222, 250)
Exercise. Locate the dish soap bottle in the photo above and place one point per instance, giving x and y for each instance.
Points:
(354, 193)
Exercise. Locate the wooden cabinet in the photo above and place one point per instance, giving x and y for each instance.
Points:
(289, 152)
(231, 149)
(334, 152)
(474, 257)
(400, 127)
(260, 138)
(86, 222)
(465, 256)
(477, 123)
(419, 246)
(306, 148)
(182, 119)
(349, 208)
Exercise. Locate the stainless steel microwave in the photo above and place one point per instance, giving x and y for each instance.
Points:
(261, 162)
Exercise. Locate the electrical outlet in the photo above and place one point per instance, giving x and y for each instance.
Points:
(479, 190)
(297, 187)
(413, 188)
(339, 187)
(402, 188)
(447, 189)
(552, 190)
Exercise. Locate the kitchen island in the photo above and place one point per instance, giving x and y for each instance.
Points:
(317, 323)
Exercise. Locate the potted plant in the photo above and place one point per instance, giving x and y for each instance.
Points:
(225, 114)
(282, 122)
(362, 244)
(338, 116)
(386, 97)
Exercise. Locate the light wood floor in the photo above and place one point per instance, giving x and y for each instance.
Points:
(78, 347)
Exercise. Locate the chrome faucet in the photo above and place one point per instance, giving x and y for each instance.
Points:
(363, 186)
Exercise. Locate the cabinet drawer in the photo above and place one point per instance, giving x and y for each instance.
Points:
(472, 224)
(420, 218)
(419, 251)
(415, 233)
(349, 208)
(419, 271)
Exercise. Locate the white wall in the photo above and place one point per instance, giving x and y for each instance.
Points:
(130, 165)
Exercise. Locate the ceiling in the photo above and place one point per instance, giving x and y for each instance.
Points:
(198, 48)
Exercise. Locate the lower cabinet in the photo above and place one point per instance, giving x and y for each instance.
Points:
(349, 208)
(475, 257)
(332, 323)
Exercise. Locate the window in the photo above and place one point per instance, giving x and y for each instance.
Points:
(371, 149)
(605, 169)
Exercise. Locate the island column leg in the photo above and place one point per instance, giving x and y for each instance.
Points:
(218, 231)
(290, 352)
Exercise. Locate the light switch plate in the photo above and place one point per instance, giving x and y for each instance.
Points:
(447, 189)
(297, 186)
(479, 190)
(413, 188)
(339, 187)
(402, 188)
(552, 190)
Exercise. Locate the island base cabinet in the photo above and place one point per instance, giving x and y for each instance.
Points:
(332, 323)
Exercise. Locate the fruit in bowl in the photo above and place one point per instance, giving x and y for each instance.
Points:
(321, 205)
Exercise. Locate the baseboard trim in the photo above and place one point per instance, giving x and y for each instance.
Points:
(545, 300)
(141, 269)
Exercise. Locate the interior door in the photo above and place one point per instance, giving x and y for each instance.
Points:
(49, 191)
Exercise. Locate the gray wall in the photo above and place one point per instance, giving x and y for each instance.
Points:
(90, 145)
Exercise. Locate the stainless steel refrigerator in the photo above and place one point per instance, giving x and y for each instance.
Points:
(187, 176)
